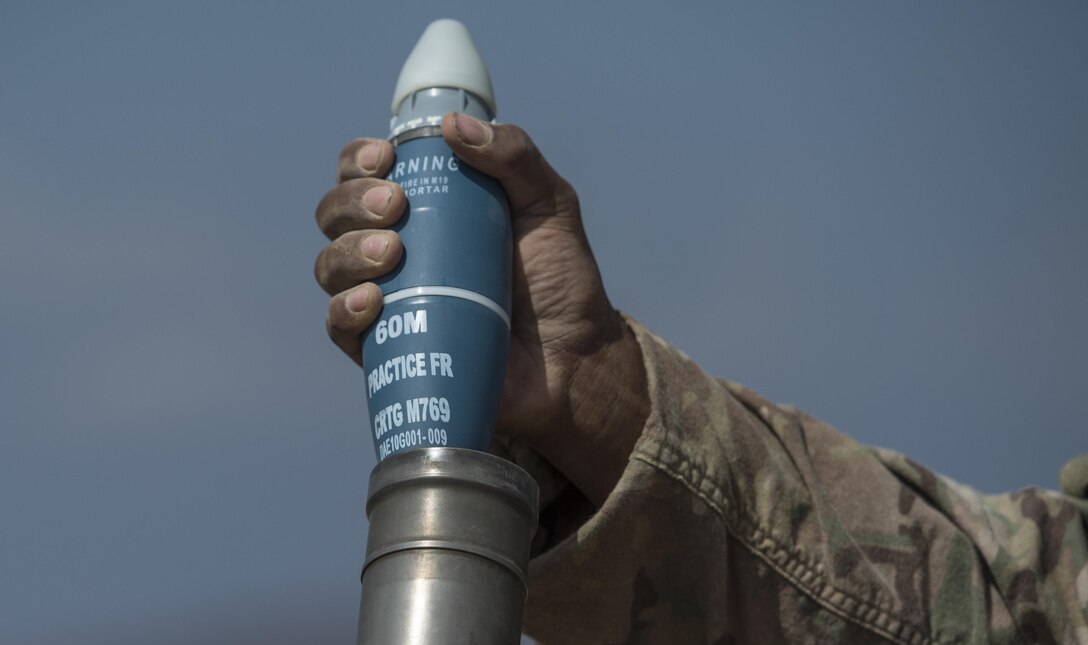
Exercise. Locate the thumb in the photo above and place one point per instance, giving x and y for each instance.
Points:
(506, 153)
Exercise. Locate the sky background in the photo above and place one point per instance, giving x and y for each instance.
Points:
(877, 212)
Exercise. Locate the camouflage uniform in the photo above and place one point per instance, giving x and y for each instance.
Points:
(739, 521)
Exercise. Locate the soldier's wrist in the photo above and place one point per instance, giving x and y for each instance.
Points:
(609, 404)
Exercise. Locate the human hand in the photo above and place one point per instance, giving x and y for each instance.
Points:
(575, 387)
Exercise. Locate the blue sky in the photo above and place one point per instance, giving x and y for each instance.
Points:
(876, 212)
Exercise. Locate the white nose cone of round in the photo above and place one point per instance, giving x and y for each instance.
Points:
(445, 56)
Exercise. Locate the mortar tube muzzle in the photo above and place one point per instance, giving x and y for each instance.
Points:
(447, 549)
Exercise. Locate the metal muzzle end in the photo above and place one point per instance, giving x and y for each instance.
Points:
(447, 552)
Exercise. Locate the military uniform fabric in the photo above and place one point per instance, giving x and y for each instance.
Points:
(740, 521)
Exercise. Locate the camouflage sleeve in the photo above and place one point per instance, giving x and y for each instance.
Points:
(738, 521)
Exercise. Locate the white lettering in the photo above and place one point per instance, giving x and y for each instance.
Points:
(436, 436)
(428, 408)
(409, 322)
(441, 364)
(388, 418)
(415, 165)
(394, 369)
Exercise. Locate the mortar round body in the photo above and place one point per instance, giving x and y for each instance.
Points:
(439, 346)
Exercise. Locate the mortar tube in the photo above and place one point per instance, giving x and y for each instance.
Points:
(447, 550)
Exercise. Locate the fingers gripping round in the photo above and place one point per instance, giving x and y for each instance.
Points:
(359, 204)
(351, 215)
(356, 256)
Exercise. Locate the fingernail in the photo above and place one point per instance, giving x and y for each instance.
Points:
(375, 246)
(472, 131)
(358, 300)
(369, 156)
(376, 200)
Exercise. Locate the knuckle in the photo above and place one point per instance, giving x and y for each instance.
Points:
(332, 320)
(324, 211)
(338, 321)
(332, 265)
(343, 209)
(338, 210)
(321, 270)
